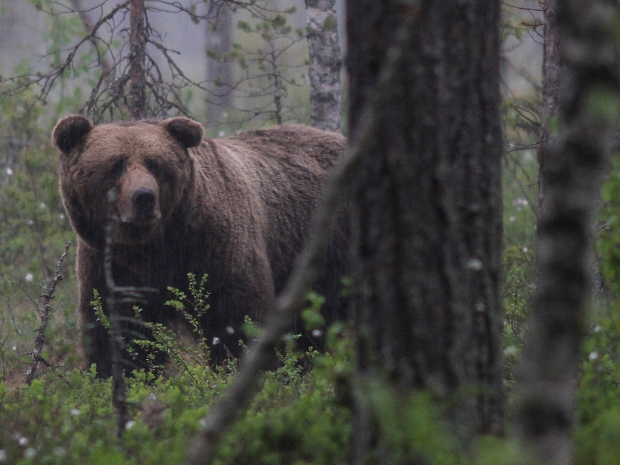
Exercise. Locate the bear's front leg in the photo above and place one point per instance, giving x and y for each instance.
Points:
(245, 290)
(95, 337)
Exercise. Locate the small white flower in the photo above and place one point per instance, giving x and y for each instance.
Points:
(22, 441)
(61, 216)
(29, 453)
(510, 351)
(30, 222)
(42, 205)
(216, 341)
(75, 412)
(317, 333)
(2, 455)
(230, 330)
(593, 356)
(221, 134)
(130, 424)
(512, 218)
(597, 329)
(29, 277)
(9, 171)
(524, 249)
(474, 264)
(202, 422)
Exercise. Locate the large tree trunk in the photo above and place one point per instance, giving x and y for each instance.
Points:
(426, 212)
(325, 65)
(572, 169)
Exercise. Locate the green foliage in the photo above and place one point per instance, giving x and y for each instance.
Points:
(293, 419)
(599, 392)
(69, 419)
(603, 105)
(98, 309)
(412, 428)
(609, 236)
(520, 176)
(66, 417)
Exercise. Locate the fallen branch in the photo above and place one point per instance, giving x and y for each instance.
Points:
(35, 355)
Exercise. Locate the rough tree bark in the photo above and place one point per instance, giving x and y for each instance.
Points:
(325, 65)
(219, 75)
(426, 213)
(137, 58)
(546, 380)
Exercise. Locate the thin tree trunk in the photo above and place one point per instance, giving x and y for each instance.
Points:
(219, 75)
(572, 169)
(426, 215)
(137, 60)
(325, 65)
(550, 88)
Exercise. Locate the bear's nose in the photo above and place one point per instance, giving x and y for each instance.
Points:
(143, 201)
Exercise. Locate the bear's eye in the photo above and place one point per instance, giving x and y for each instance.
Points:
(159, 171)
(117, 169)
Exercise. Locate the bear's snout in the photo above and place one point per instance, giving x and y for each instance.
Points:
(138, 201)
(144, 201)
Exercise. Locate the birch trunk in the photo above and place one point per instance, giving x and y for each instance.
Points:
(325, 65)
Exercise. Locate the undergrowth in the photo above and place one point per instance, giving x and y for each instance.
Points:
(68, 419)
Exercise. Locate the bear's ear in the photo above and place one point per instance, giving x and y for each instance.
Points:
(70, 131)
(184, 130)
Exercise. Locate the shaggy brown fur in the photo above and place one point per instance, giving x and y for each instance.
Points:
(236, 208)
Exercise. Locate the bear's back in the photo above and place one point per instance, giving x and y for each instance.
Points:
(279, 173)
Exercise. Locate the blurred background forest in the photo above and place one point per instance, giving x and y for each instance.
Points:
(264, 82)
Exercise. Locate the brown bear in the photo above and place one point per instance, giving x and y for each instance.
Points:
(236, 208)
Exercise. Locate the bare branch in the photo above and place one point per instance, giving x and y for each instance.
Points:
(35, 355)
(104, 61)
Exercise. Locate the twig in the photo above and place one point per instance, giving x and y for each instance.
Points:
(309, 263)
(35, 355)
(117, 295)
(106, 67)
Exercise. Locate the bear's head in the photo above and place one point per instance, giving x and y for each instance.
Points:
(137, 172)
